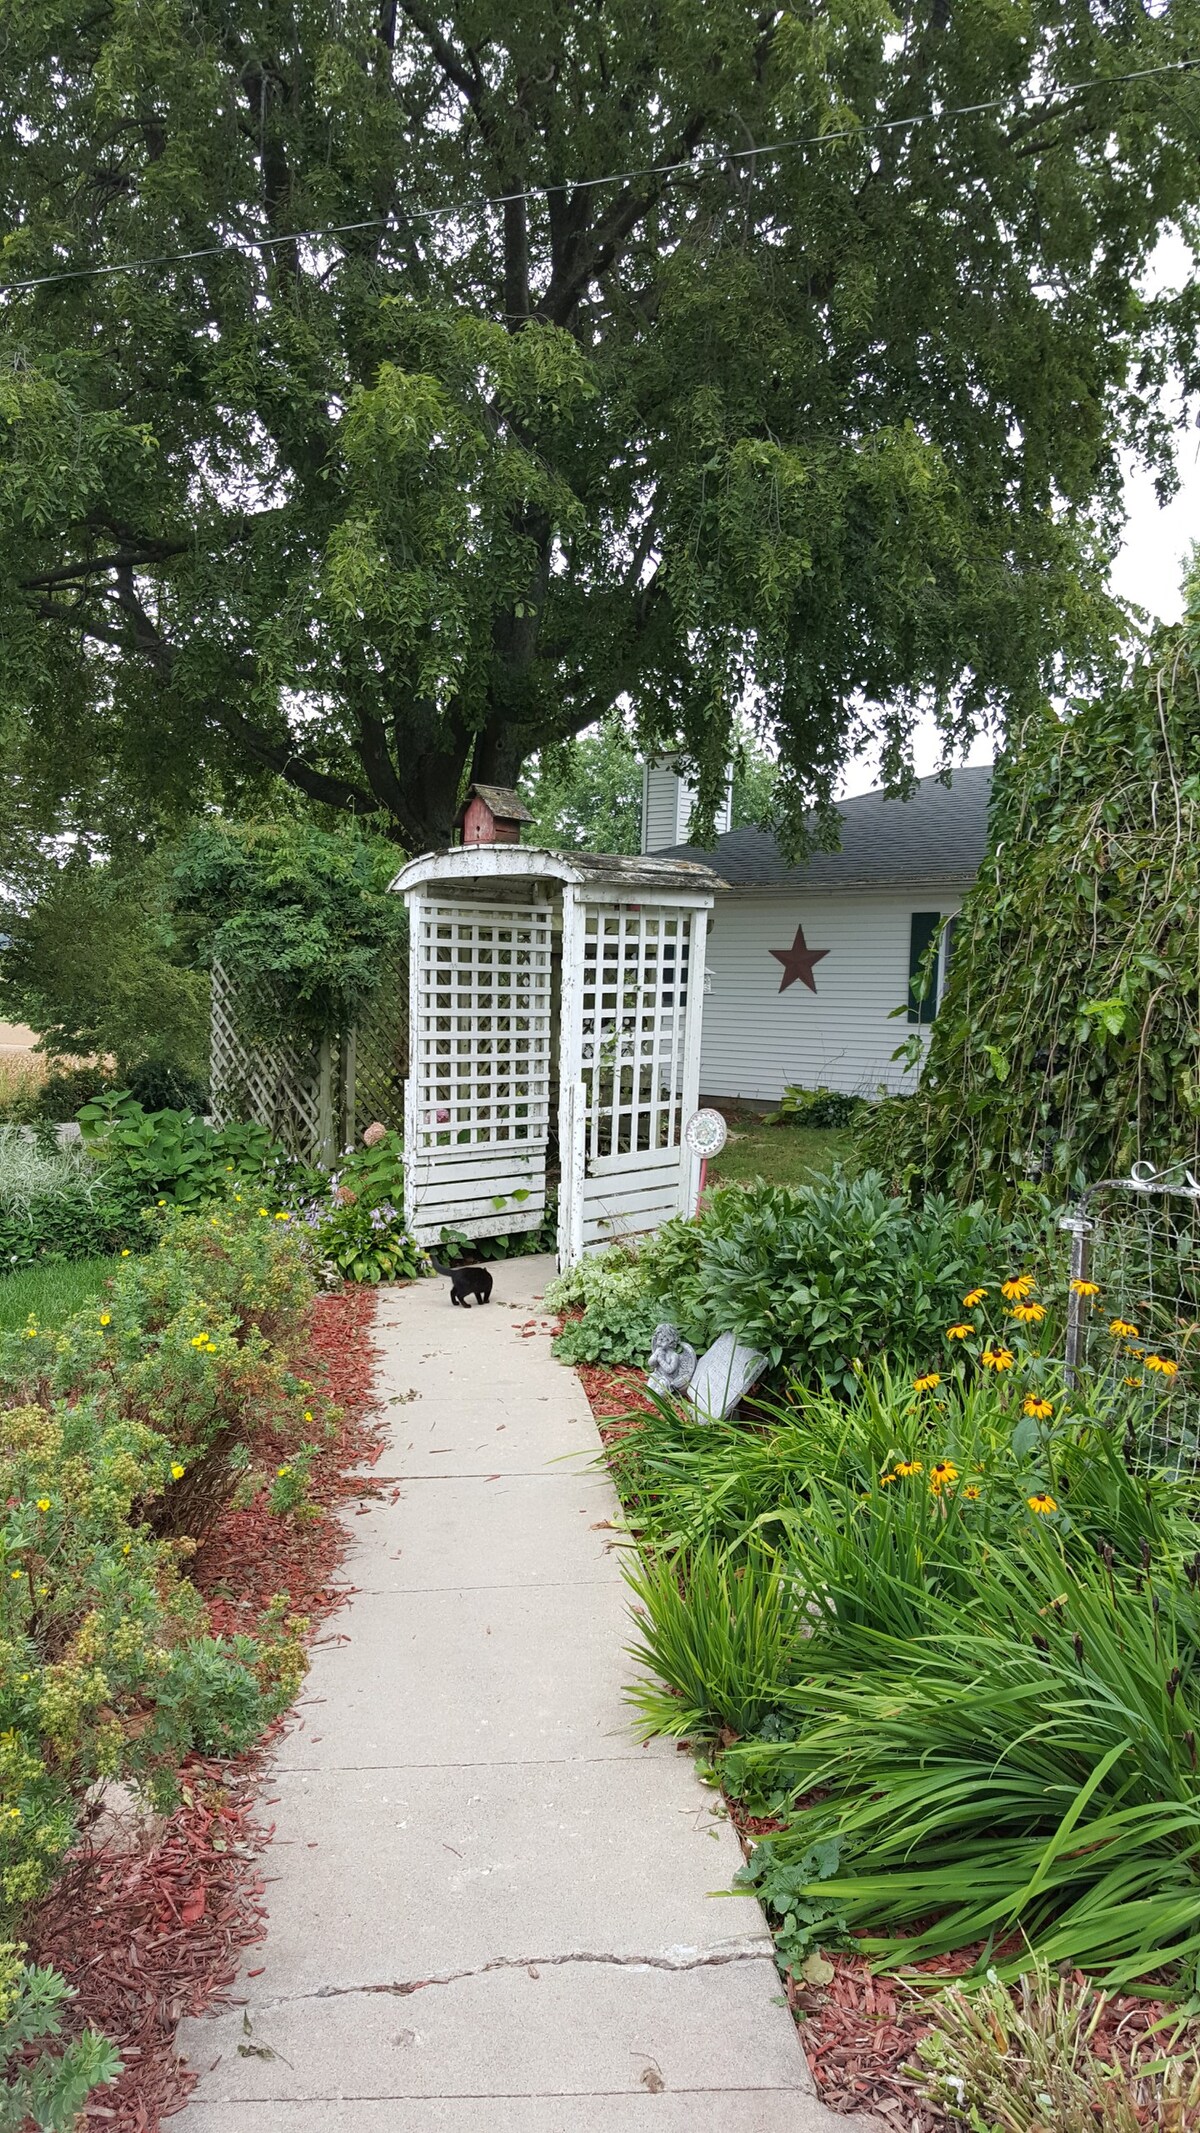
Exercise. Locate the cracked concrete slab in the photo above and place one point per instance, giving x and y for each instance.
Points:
(490, 1909)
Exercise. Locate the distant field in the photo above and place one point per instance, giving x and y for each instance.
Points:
(51, 1293)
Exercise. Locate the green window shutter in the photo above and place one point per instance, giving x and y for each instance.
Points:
(924, 926)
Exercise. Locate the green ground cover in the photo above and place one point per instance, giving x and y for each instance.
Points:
(756, 1153)
(52, 1291)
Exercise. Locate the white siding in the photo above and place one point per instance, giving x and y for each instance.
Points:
(667, 802)
(757, 1039)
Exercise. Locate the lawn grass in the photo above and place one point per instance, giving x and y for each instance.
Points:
(51, 1293)
(779, 1155)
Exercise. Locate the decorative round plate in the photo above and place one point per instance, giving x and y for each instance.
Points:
(705, 1133)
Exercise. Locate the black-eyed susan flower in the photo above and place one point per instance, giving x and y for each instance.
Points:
(1033, 1404)
(1085, 1288)
(927, 1383)
(959, 1333)
(1122, 1330)
(971, 1492)
(1163, 1365)
(884, 1479)
(976, 1296)
(1029, 1314)
(997, 1358)
(1044, 1506)
(943, 1475)
(1016, 1287)
(905, 1467)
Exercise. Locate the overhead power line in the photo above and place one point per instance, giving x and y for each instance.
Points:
(693, 164)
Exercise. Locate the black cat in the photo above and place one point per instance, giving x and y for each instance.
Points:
(465, 1282)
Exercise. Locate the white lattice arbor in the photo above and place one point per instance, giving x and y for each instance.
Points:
(555, 1006)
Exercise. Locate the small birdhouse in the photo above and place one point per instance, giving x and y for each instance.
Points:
(492, 814)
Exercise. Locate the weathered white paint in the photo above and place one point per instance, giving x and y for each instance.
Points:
(757, 1039)
(667, 803)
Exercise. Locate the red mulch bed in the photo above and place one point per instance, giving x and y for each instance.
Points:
(149, 1928)
(859, 2030)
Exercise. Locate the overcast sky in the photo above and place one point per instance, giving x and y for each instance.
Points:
(1150, 565)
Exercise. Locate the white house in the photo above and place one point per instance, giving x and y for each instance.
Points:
(806, 964)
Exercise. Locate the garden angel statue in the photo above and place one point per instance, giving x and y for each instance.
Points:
(672, 1361)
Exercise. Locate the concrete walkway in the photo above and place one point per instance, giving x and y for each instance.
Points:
(491, 1908)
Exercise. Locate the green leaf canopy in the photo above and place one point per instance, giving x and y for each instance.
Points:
(585, 390)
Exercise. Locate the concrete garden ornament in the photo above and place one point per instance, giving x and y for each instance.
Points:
(672, 1361)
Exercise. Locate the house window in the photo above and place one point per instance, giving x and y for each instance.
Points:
(928, 966)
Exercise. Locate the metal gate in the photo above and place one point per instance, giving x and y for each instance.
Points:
(478, 1095)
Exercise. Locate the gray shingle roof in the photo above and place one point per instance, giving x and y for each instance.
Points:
(938, 835)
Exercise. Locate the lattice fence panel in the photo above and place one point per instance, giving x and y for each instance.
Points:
(635, 988)
(377, 1062)
(284, 1086)
(1144, 1254)
(481, 1026)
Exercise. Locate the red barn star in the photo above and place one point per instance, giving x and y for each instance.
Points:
(798, 961)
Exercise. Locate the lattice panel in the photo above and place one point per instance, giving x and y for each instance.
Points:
(481, 1026)
(635, 982)
(380, 1052)
(279, 1087)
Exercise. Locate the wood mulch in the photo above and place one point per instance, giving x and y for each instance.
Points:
(148, 1922)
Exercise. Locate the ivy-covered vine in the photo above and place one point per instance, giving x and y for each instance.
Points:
(302, 917)
(1067, 1045)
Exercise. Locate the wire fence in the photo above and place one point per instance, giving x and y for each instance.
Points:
(1133, 1323)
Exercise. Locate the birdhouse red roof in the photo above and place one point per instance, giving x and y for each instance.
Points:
(492, 814)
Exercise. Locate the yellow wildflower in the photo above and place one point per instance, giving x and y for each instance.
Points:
(282, 1470)
(959, 1333)
(283, 1218)
(177, 1472)
(1028, 1314)
(1121, 1329)
(262, 1210)
(884, 1480)
(43, 1503)
(943, 1474)
(106, 1318)
(1016, 1288)
(14, 1573)
(201, 1340)
(997, 1358)
(1034, 1405)
(125, 1253)
(927, 1383)
(971, 1492)
(905, 1467)
(1163, 1364)
(1085, 1288)
(1043, 1505)
(976, 1297)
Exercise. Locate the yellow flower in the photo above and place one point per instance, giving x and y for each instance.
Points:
(283, 1218)
(1033, 1405)
(997, 1358)
(927, 1383)
(1163, 1364)
(14, 1573)
(959, 1333)
(106, 1318)
(308, 1414)
(1016, 1287)
(201, 1340)
(125, 1253)
(941, 1475)
(128, 1545)
(1086, 1288)
(43, 1503)
(1121, 1329)
(1029, 1314)
(160, 1203)
(909, 1466)
(971, 1493)
(282, 1470)
(177, 1472)
(1043, 1505)
(976, 1297)
(884, 1480)
(262, 1210)
(1132, 1381)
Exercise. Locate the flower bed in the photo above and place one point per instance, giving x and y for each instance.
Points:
(151, 1931)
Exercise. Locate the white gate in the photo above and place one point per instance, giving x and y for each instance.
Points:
(632, 994)
(478, 1094)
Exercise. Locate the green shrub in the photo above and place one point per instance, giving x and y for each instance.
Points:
(55, 1205)
(52, 2088)
(821, 1278)
(173, 1155)
(724, 1638)
(817, 1107)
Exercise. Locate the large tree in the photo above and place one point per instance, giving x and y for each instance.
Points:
(645, 354)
